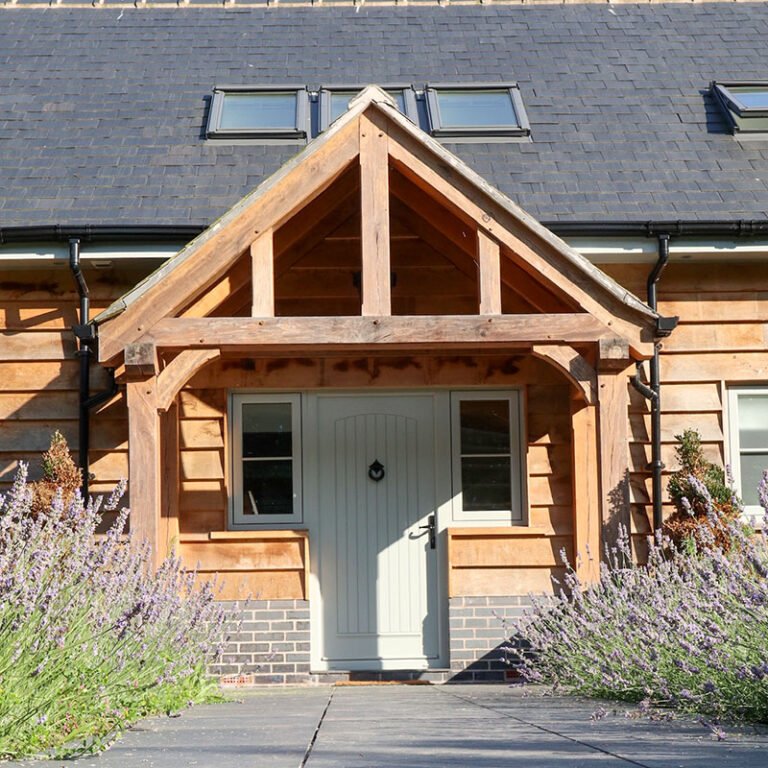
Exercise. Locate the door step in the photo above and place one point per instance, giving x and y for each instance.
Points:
(384, 677)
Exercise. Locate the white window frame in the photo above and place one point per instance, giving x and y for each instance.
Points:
(517, 514)
(237, 519)
(753, 513)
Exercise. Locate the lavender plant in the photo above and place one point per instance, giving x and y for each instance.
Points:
(687, 630)
(90, 637)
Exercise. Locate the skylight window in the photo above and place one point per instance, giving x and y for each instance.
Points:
(744, 105)
(263, 113)
(334, 101)
(457, 111)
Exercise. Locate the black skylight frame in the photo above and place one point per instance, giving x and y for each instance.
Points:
(521, 128)
(740, 117)
(326, 91)
(297, 132)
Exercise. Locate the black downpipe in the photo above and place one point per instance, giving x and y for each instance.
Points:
(86, 337)
(652, 391)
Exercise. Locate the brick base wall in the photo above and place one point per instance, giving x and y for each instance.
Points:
(270, 645)
(477, 635)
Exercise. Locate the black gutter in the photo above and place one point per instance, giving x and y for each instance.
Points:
(93, 233)
(673, 228)
(175, 232)
(86, 336)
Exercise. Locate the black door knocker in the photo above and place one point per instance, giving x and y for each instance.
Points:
(376, 471)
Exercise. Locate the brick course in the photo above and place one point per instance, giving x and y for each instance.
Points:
(477, 635)
(270, 644)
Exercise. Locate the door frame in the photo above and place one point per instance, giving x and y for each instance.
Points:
(312, 514)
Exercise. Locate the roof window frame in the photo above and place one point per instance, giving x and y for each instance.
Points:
(520, 130)
(299, 133)
(737, 114)
(325, 92)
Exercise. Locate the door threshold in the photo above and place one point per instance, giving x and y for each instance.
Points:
(384, 676)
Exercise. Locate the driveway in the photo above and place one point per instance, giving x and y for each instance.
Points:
(470, 726)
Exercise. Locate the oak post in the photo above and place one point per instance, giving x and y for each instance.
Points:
(374, 213)
(586, 491)
(613, 383)
(489, 278)
(263, 275)
(144, 463)
(169, 520)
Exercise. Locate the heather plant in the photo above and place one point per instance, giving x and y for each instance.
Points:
(688, 630)
(91, 638)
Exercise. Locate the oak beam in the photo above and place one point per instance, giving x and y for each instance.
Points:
(230, 334)
(141, 359)
(144, 463)
(586, 491)
(179, 371)
(263, 275)
(489, 278)
(374, 214)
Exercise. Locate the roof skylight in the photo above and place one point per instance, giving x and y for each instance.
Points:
(744, 105)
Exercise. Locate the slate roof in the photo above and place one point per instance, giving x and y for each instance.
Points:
(102, 110)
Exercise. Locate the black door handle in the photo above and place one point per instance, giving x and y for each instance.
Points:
(430, 526)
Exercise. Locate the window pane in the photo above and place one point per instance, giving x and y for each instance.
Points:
(259, 110)
(752, 467)
(753, 98)
(475, 108)
(484, 426)
(486, 484)
(267, 430)
(753, 421)
(268, 487)
(340, 101)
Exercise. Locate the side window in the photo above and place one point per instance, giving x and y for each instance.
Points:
(487, 457)
(266, 455)
(748, 439)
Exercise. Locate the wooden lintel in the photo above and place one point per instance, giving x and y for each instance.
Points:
(144, 464)
(374, 215)
(179, 371)
(141, 360)
(573, 366)
(263, 275)
(489, 279)
(239, 333)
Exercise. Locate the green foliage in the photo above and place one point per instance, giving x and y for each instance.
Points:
(705, 503)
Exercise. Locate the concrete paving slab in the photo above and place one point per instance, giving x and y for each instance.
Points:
(460, 726)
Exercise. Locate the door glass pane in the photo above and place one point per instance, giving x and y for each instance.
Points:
(267, 430)
(475, 108)
(486, 483)
(484, 426)
(259, 110)
(753, 421)
(268, 487)
(752, 467)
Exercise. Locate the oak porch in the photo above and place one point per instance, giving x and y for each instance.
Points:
(225, 298)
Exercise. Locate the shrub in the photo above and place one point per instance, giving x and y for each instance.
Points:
(705, 504)
(686, 630)
(90, 637)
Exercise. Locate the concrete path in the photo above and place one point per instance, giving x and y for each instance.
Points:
(419, 726)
